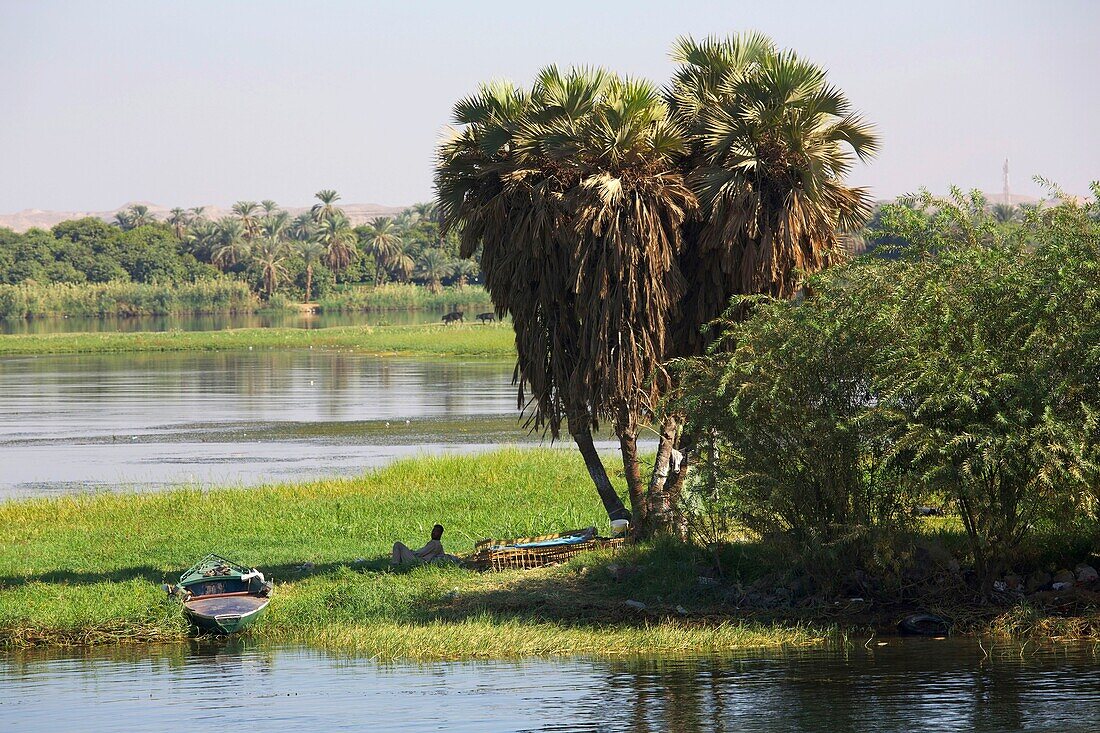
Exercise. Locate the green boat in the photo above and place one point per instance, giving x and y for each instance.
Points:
(222, 597)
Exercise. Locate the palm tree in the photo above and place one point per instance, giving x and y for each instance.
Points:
(464, 269)
(1005, 213)
(302, 231)
(231, 246)
(202, 238)
(270, 254)
(326, 207)
(311, 252)
(123, 221)
(572, 191)
(400, 262)
(433, 266)
(178, 220)
(770, 144)
(275, 225)
(269, 206)
(382, 242)
(335, 234)
(197, 213)
(246, 212)
(140, 216)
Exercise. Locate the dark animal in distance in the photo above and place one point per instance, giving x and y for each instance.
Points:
(454, 316)
(486, 317)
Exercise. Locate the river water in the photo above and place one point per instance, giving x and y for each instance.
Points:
(904, 686)
(146, 421)
(222, 321)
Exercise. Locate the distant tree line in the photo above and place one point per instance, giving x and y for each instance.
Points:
(259, 244)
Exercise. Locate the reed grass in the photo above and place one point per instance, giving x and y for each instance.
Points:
(396, 296)
(127, 299)
(83, 570)
(493, 341)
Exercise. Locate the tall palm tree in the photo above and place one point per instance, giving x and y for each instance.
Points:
(178, 220)
(1005, 213)
(202, 238)
(573, 193)
(400, 262)
(123, 220)
(302, 231)
(433, 265)
(270, 253)
(275, 225)
(326, 207)
(463, 270)
(382, 241)
(269, 206)
(231, 246)
(770, 144)
(140, 216)
(246, 211)
(336, 235)
(197, 212)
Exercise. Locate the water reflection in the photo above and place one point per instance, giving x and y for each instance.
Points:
(148, 420)
(222, 321)
(916, 685)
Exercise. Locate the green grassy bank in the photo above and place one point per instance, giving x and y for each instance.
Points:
(39, 300)
(494, 341)
(86, 570)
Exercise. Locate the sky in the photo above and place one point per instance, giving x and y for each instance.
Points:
(198, 102)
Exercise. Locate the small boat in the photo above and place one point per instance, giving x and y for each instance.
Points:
(222, 597)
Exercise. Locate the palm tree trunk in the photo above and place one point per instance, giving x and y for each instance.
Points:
(628, 446)
(309, 283)
(659, 513)
(582, 436)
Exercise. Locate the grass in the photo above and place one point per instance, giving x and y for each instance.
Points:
(494, 341)
(126, 299)
(86, 569)
(395, 296)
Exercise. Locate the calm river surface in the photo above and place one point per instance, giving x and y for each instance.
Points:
(145, 421)
(219, 322)
(905, 686)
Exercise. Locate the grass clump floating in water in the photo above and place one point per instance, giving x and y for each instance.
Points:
(87, 569)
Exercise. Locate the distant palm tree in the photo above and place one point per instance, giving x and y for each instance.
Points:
(335, 234)
(311, 252)
(269, 206)
(400, 262)
(231, 245)
(464, 270)
(1005, 213)
(275, 225)
(140, 216)
(178, 220)
(270, 254)
(123, 221)
(382, 242)
(326, 207)
(303, 232)
(433, 266)
(198, 213)
(250, 223)
(201, 240)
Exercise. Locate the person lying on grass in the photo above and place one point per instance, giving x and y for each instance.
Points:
(431, 552)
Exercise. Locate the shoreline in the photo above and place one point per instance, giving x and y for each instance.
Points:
(475, 341)
(86, 570)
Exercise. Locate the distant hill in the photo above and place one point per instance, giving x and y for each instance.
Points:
(26, 219)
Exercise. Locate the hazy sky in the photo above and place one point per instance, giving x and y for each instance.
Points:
(199, 102)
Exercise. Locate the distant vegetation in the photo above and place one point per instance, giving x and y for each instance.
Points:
(315, 255)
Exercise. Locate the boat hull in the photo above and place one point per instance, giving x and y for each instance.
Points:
(225, 614)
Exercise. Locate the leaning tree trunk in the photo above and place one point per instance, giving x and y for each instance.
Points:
(581, 431)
